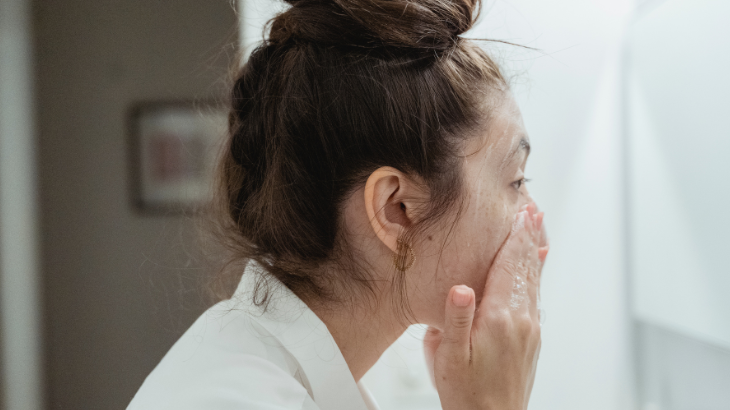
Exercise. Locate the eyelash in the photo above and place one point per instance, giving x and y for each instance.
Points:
(518, 184)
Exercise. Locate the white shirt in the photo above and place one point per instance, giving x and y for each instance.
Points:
(236, 356)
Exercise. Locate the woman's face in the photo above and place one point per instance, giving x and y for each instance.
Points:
(462, 253)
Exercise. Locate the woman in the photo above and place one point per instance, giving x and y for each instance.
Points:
(374, 178)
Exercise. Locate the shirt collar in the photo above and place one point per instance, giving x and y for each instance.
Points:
(301, 332)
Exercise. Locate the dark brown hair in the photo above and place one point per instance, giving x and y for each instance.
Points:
(338, 89)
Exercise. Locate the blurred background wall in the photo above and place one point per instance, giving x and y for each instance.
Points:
(624, 103)
(676, 104)
(20, 302)
(118, 287)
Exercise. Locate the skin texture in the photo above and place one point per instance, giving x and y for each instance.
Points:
(484, 253)
(494, 170)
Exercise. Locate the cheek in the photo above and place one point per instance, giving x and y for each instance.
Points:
(474, 244)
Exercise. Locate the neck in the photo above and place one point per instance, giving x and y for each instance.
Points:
(362, 335)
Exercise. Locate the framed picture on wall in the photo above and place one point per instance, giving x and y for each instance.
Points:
(173, 147)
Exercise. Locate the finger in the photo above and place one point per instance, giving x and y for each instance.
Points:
(533, 290)
(456, 339)
(532, 265)
(532, 226)
(431, 342)
(542, 256)
(432, 338)
(530, 219)
(543, 240)
(506, 267)
(531, 208)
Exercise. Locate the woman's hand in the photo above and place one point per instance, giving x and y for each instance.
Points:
(486, 359)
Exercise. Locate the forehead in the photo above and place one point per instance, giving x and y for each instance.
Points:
(502, 135)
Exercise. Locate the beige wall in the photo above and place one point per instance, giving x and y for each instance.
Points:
(119, 287)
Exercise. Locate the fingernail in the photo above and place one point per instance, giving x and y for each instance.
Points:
(539, 217)
(532, 208)
(461, 297)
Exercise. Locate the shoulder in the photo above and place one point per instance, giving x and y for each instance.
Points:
(225, 361)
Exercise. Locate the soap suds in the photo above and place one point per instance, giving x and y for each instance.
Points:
(519, 222)
(519, 292)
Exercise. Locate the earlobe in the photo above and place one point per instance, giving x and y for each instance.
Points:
(385, 190)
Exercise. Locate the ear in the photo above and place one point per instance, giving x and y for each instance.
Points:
(392, 202)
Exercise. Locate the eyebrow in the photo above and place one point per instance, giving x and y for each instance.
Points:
(523, 144)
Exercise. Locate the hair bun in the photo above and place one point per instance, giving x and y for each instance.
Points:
(423, 24)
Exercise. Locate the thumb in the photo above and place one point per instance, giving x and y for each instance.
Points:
(455, 343)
